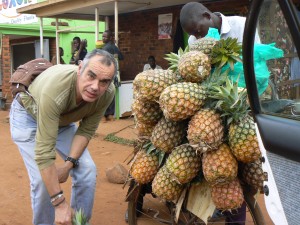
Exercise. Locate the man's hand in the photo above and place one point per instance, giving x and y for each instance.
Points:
(63, 172)
(63, 214)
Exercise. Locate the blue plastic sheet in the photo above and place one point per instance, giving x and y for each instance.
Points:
(262, 53)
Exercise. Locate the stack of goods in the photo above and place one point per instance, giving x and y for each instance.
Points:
(192, 120)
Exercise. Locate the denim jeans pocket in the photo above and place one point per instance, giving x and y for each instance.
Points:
(22, 125)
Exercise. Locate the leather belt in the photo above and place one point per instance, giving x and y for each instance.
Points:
(19, 100)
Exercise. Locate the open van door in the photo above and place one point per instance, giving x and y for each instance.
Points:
(277, 110)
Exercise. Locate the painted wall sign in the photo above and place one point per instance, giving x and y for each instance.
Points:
(8, 12)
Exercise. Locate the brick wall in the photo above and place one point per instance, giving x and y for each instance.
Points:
(6, 60)
(6, 66)
(138, 38)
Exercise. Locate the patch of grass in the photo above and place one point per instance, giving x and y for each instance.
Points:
(119, 140)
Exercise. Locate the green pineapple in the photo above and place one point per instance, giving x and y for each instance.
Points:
(182, 100)
(167, 134)
(165, 186)
(242, 136)
(149, 84)
(184, 163)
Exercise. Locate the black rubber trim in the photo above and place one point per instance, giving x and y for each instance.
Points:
(272, 128)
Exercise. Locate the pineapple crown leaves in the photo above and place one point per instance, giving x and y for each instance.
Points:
(231, 101)
(226, 51)
(216, 78)
(150, 148)
(173, 58)
(80, 218)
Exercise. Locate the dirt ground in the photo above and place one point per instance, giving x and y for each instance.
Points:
(109, 204)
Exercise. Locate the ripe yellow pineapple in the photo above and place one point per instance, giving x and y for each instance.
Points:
(167, 134)
(242, 136)
(253, 174)
(182, 100)
(144, 166)
(146, 112)
(165, 187)
(184, 163)
(149, 84)
(206, 130)
(194, 66)
(227, 196)
(219, 166)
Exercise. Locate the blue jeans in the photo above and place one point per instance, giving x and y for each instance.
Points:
(23, 130)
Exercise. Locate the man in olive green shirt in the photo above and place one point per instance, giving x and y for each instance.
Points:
(42, 124)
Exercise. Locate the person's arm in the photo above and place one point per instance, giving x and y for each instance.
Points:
(63, 212)
(79, 143)
(45, 152)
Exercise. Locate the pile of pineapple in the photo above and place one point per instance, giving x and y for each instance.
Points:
(193, 121)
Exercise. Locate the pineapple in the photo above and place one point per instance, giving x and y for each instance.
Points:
(194, 66)
(206, 130)
(242, 136)
(79, 218)
(243, 140)
(204, 45)
(168, 134)
(253, 174)
(144, 166)
(227, 196)
(144, 131)
(182, 100)
(219, 166)
(149, 84)
(165, 186)
(184, 163)
(146, 112)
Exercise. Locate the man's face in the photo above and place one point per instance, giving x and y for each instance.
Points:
(151, 62)
(94, 80)
(105, 37)
(199, 28)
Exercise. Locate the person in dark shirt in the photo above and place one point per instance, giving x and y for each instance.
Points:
(110, 46)
(79, 51)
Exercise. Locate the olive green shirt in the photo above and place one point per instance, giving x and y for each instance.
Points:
(53, 105)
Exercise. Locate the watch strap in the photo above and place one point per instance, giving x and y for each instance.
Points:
(72, 160)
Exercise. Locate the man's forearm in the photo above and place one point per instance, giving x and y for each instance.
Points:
(50, 179)
(78, 145)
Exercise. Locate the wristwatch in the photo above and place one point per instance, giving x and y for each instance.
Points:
(72, 160)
